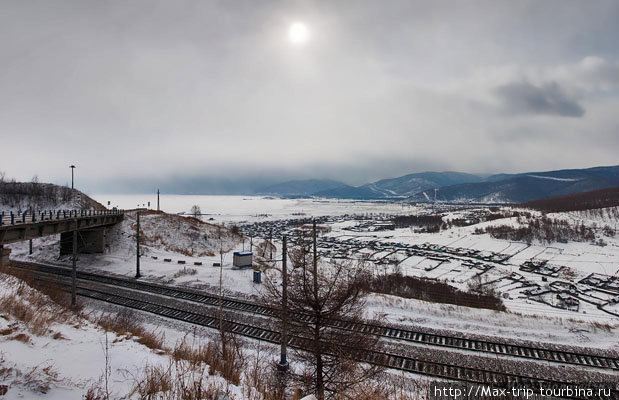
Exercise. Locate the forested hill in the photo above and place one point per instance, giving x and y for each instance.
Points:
(577, 202)
(38, 196)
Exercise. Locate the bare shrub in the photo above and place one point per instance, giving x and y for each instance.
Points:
(184, 272)
(542, 229)
(412, 287)
(195, 211)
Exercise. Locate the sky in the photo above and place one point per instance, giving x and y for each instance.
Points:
(212, 96)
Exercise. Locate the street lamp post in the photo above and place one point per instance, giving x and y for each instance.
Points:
(72, 181)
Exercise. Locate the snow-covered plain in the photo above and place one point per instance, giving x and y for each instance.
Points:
(251, 208)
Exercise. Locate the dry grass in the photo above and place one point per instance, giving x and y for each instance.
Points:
(177, 380)
(199, 238)
(7, 331)
(21, 337)
(51, 289)
(39, 379)
(262, 379)
(58, 336)
(96, 392)
(181, 250)
(124, 324)
(33, 308)
(602, 326)
(224, 356)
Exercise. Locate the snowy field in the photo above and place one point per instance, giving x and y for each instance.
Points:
(50, 353)
(252, 208)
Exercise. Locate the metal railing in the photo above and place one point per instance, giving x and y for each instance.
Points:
(28, 217)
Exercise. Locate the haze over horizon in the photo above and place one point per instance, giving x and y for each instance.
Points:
(207, 94)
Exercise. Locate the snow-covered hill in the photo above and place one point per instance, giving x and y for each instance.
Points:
(21, 196)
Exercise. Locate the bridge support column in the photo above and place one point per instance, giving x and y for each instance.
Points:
(4, 257)
(88, 241)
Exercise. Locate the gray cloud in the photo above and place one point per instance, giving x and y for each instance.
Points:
(549, 99)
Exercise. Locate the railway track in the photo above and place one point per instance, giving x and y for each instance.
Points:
(131, 299)
(405, 335)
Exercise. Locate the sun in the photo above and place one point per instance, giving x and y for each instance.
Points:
(298, 34)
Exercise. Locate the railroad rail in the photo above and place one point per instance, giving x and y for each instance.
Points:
(390, 332)
(381, 358)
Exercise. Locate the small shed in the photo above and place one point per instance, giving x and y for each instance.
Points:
(242, 259)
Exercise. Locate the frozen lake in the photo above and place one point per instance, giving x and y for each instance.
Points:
(252, 208)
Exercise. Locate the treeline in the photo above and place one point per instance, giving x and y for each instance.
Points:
(424, 223)
(547, 230)
(405, 221)
(434, 223)
(577, 202)
(412, 287)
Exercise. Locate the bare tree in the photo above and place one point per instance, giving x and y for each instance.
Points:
(316, 298)
(229, 348)
(195, 211)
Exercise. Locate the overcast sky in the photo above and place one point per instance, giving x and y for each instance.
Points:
(140, 93)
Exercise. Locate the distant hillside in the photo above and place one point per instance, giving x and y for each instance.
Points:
(577, 202)
(520, 188)
(39, 196)
(300, 187)
(402, 186)
(350, 192)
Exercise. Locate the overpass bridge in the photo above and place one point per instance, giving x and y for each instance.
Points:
(91, 225)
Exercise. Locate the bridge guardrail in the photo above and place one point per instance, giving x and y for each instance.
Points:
(18, 218)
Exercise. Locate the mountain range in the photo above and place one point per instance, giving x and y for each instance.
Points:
(458, 187)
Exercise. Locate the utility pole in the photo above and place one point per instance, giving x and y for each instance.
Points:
(221, 271)
(158, 200)
(271, 244)
(315, 262)
(283, 362)
(137, 248)
(74, 269)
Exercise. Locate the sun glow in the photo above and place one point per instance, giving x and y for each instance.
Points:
(298, 34)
